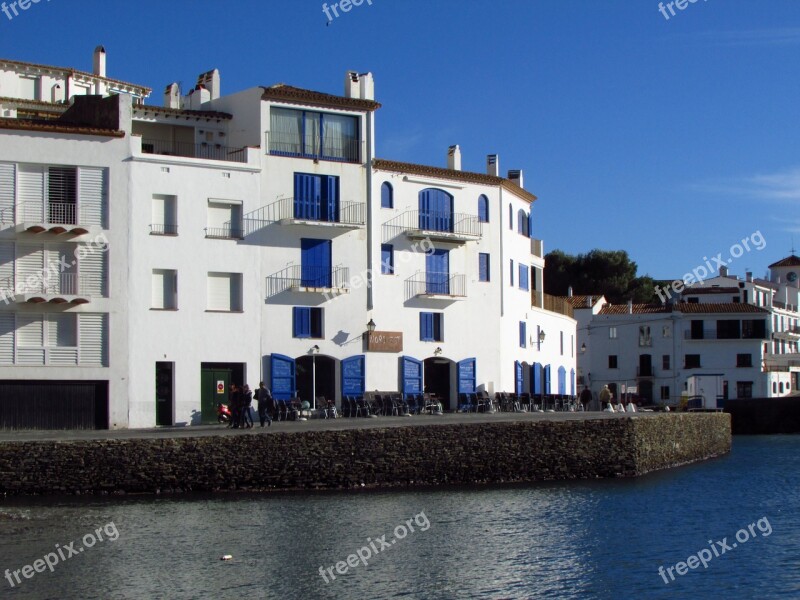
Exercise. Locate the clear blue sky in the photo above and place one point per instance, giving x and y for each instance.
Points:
(671, 139)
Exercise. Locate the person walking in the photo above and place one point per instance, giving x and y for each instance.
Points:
(265, 404)
(236, 406)
(605, 397)
(586, 397)
(247, 403)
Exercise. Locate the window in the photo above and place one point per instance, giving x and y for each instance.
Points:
(165, 219)
(224, 219)
(744, 389)
(306, 322)
(483, 267)
(224, 292)
(510, 217)
(523, 335)
(511, 272)
(612, 361)
(691, 361)
(666, 331)
(387, 195)
(316, 197)
(665, 362)
(313, 135)
(612, 333)
(164, 289)
(387, 259)
(728, 329)
(697, 332)
(522, 222)
(754, 329)
(644, 336)
(523, 277)
(694, 300)
(483, 209)
(62, 194)
(744, 360)
(431, 327)
(665, 392)
(29, 87)
(562, 343)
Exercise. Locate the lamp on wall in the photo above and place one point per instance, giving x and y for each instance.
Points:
(371, 326)
(438, 351)
(314, 349)
(583, 347)
(542, 335)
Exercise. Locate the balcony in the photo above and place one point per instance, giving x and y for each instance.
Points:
(791, 334)
(163, 229)
(436, 286)
(225, 232)
(784, 306)
(645, 372)
(51, 217)
(558, 305)
(204, 150)
(713, 334)
(286, 211)
(537, 248)
(335, 148)
(315, 280)
(61, 288)
(457, 228)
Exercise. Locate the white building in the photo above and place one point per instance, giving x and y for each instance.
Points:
(228, 239)
(743, 332)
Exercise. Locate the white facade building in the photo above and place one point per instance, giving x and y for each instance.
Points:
(254, 236)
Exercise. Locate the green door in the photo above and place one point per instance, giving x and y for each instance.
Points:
(215, 385)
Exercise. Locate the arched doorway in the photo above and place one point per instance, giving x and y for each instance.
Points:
(437, 378)
(315, 376)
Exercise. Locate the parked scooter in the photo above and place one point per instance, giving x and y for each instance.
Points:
(224, 414)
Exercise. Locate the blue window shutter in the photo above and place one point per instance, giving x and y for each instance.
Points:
(330, 209)
(315, 262)
(483, 266)
(412, 375)
(301, 321)
(512, 271)
(483, 209)
(387, 200)
(435, 210)
(353, 372)
(523, 336)
(426, 326)
(536, 378)
(387, 259)
(282, 377)
(518, 378)
(437, 272)
(466, 376)
(530, 224)
(307, 196)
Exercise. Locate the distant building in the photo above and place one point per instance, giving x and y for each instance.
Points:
(150, 256)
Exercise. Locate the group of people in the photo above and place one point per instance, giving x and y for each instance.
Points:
(241, 403)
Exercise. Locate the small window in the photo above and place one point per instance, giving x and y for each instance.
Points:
(612, 361)
(483, 267)
(387, 259)
(511, 272)
(744, 360)
(644, 336)
(511, 217)
(523, 335)
(612, 333)
(665, 362)
(224, 292)
(523, 277)
(431, 327)
(483, 209)
(666, 331)
(164, 215)
(665, 392)
(387, 195)
(562, 343)
(164, 289)
(692, 361)
(306, 322)
(224, 220)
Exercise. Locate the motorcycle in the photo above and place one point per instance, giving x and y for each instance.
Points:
(224, 414)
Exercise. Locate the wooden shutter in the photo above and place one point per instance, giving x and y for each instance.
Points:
(93, 270)
(7, 192)
(93, 184)
(30, 181)
(93, 341)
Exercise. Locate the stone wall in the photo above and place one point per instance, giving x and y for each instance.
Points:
(380, 457)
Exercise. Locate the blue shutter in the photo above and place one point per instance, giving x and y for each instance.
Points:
(511, 271)
(411, 372)
(518, 377)
(562, 380)
(301, 322)
(483, 209)
(530, 224)
(483, 266)
(353, 373)
(282, 380)
(435, 210)
(466, 376)
(523, 336)
(315, 263)
(437, 272)
(330, 208)
(387, 200)
(387, 259)
(307, 196)
(536, 377)
(426, 326)
(546, 389)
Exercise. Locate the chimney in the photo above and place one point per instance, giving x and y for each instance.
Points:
(99, 62)
(723, 271)
(515, 175)
(748, 275)
(198, 96)
(351, 87)
(359, 85)
(493, 165)
(55, 94)
(630, 307)
(569, 292)
(589, 301)
(454, 158)
(172, 96)
(210, 81)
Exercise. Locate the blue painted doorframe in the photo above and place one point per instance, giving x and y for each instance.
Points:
(437, 272)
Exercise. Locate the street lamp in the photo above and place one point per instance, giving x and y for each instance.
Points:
(371, 326)
(541, 336)
(583, 347)
(438, 351)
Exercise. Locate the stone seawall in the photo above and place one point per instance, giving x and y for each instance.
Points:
(431, 454)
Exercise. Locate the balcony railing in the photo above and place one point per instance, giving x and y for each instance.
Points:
(335, 280)
(226, 232)
(537, 248)
(427, 283)
(62, 212)
(645, 371)
(784, 306)
(713, 334)
(444, 226)
(286, 210)
(163, 229)
(66, 284)
(558, 305)
(190, 150)
(343, 148)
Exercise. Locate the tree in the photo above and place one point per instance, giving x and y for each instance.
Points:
(608, 272)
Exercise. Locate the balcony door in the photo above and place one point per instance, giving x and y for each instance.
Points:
(437, 272)
(316, 197)
(435, 210)
(315, 263)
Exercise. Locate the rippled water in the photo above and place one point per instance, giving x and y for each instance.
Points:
(602, 539)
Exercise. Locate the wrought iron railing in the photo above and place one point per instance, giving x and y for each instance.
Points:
(427, 283)
(190, 150)
(344, 148)
(342, 212)
(226, 232)
(302, 276)
(452, 225)
(68, 284)
(163, 229)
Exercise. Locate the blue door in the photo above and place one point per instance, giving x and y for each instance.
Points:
(546, 389)
(518, 379)
(437, 272)
(307, 196)
(353, 371)
(536, 378)
(281, 377)
(562, 381)
(330, 203)
(315, 263)
(435, 210)
(466, 376)
(411, 372)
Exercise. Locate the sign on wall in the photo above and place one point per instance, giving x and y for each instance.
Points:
(385, 341)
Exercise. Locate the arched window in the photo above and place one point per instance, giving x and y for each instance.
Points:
(483, 209)
(510, 217)
(522, 223)
(387, 195)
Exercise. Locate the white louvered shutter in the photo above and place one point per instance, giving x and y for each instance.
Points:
(93, 184)
(7, 330)
(62, 339)
(7, 192)
(30, 268)
(94, 339)
(7, 254)
(93, 271)
(30, 339)
(219, 291)
(30, 183)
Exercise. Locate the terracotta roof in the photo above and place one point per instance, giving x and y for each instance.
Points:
(766, 283)
(710, 290)
(713, 307)
(580, 301)
(288, 93)
(789, 261)
(637, 309)
(145, 90)
(53, 105)
(55, 127)
(181, 112)
(441, 173)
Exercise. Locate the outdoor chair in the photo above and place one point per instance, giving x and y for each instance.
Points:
(362, 407)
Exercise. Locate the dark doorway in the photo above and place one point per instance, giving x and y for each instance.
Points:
(646, 392)
(164, 395)
(316, 376)
(645, 365)
(215, 387)
(437, 379)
